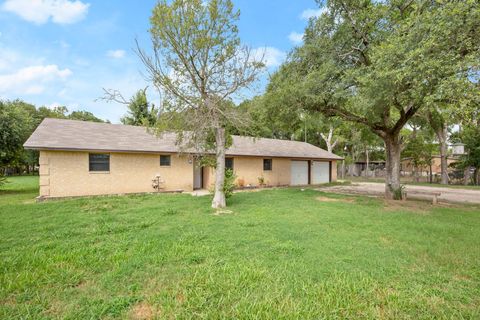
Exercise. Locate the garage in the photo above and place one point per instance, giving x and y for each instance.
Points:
(299, 173)
(320, 172)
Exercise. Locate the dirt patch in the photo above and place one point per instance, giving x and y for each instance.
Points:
(82, 285)
(325, 199)
(420, 207)
(142, 311)
(180, 298)
(222, 212)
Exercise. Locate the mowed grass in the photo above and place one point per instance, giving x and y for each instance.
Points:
(280, 254)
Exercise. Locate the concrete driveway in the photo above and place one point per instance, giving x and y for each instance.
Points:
(378, 189)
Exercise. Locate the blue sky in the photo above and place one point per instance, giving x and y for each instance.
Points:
(63, 52)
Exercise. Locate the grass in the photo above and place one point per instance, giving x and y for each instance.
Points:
(282, 253)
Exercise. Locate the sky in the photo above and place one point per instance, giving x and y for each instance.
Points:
(63, 52)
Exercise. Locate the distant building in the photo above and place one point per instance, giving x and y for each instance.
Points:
(407, 167)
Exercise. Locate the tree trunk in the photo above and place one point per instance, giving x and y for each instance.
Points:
(466, 176)
(368, 162)
(219, 197)
(442, 139)
(343, 169)
(328, 139)
(392, 179)
(431, 173)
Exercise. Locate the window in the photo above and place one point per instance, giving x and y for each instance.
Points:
(229, 163)
(267, 164)
(99, 162)
(165, 161)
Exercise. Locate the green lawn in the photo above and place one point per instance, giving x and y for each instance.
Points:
(283, 253)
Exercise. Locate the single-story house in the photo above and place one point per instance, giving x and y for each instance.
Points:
(407, 167)
(79, 158)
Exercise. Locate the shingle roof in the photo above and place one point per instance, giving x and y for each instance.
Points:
(60, 134)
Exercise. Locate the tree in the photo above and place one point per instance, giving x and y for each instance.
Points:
(140, 112)
(84, 116)
(471, 138)
(15, 126)
(377, 63)
(18, 120)
(419, 147)
(198, 64)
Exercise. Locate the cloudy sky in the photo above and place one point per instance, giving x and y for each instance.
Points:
(63, 52)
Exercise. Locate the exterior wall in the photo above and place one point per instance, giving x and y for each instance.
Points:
(64, 174)
(249, 169)
(334, 171)
(407, 165)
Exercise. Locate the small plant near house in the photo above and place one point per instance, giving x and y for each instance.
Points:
(261, 181)
(241, 183)
(229, 185)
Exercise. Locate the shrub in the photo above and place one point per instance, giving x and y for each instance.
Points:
(398, 194)
(261, 181)
(229, 184)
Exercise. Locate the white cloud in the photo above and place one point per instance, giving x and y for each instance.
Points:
(116, 54)
(272, 57)
(313, 13)
(40, 11)
(296, 37)
(32, 80)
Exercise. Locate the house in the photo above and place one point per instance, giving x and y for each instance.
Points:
(79, 158)
(358, 168)
(407, 166)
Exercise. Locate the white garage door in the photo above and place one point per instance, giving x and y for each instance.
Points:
(299, 173)
(320, 172)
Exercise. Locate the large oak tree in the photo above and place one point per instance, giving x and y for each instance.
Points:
(378, 63)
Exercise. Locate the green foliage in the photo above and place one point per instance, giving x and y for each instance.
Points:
(140, 111)
(16, 124)
(419, 147)
(84, 116)
(378, 63)
(18, 120)
(200, 66)
(229, 184)
(471, 139)
(470, 136)
(398, 193)
(122, 257)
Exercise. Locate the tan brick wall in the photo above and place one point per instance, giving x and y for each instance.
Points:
(249, 169)
(66, 174)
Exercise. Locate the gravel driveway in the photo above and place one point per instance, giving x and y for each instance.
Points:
(378, 189)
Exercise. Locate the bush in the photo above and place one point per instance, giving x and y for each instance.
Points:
(398, 194)
(229, 184)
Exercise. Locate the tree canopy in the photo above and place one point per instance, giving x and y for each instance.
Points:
(377, 63)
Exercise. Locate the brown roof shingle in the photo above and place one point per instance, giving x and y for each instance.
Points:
(60, 134)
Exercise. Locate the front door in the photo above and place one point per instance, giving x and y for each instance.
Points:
(197, 177)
